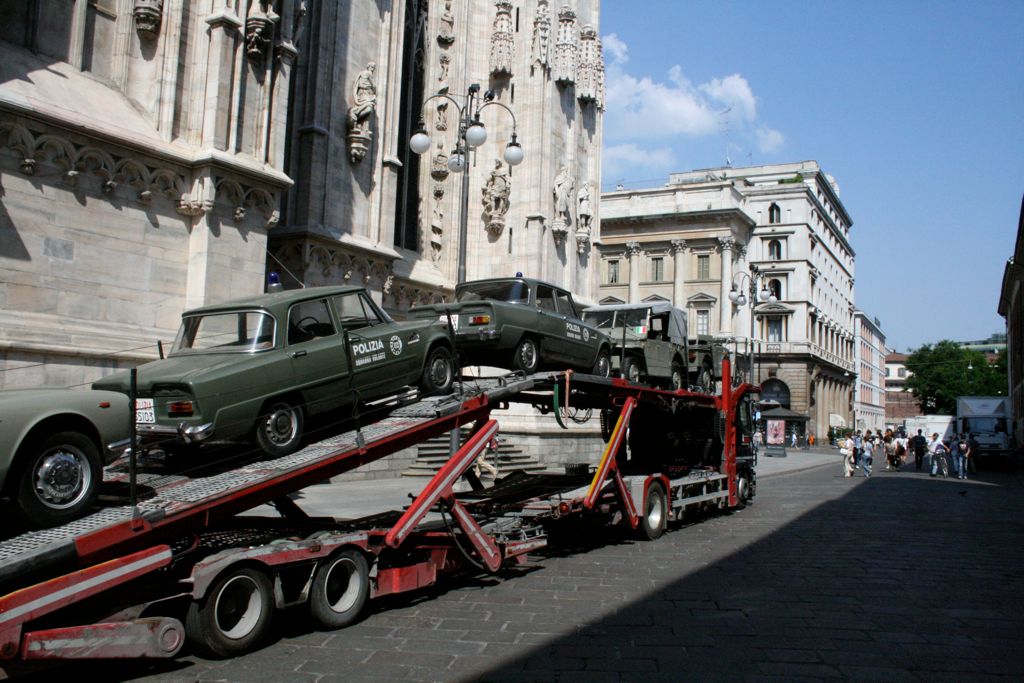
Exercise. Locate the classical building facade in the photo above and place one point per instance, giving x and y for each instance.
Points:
(869, 359)
(778, 227)
(157, 155)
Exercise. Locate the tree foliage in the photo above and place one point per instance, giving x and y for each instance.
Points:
(946, 370)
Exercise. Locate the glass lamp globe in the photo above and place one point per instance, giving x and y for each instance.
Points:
(514, 153)
(476, 135)
(741, 300)
(457, 161)
(419, 142)
(734, 295)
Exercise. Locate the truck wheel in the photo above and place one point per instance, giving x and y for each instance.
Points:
(341, 587)
(56, 478)
(603, 364)
(706, 378)
(631, 369)
(652, 523)
(742, 491)
(526, 356)
(234, 615)
(279, 428)
(438, 371)
(677, 381)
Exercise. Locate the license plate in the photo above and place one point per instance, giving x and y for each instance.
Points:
(455, 321)
(144, 411)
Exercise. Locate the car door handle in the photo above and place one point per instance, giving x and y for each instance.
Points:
(297, 354)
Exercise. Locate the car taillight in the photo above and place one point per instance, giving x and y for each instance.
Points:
(180, 409)
(480, 320)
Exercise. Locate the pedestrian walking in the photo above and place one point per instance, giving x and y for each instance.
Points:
(891, 462)
(867, 450)
(973, 449)
(901, 450)
(937, 451)
(792, 439)
(960, 450)
(849, 453)
(920, 446)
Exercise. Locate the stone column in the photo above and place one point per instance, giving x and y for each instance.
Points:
(679, 275)
(726, 246)
(633, 251)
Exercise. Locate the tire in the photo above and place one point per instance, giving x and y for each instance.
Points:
(234, 615)
(279, 428)
(603, 364)
(438, 371)
(678, 378)
(526, 356)
(632, 368)
(706, 378)
(742, 490)
(341, 587)
(655, 512)
(56, 478)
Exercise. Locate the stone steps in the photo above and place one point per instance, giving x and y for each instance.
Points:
(434, 453)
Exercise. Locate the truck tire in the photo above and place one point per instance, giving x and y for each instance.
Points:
(655, 512)
(56, 478)
(632, 368)
(706, 378)
(527, 355)
(341, 587)
(438, 371)
(278, 429)
(234, 615)
(742, 490)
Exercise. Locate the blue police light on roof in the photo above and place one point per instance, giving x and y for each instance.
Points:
(274, 282)
(518, 274)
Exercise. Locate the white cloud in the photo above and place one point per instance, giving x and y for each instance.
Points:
(641, 109)
(769, 140)
(634, 161)
(615, 48)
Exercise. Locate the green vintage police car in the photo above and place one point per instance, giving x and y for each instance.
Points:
(521, 324)
(260, 366)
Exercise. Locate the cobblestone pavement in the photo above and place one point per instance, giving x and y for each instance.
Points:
(897, 577)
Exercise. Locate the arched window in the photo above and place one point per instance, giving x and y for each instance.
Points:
(775, 390)
(775, 287)
(774, 213)
(775, 250)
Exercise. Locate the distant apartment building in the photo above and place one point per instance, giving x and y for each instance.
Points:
(899, 401)
(869, 395)
(780, 227)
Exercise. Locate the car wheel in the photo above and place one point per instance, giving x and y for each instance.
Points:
(340, 589)
(57, 478)
(279, 428)
(631, 369)
(655, 516)
(527, 355)
(742, 491)
(603, 364)
(438, 371)
(706, 378)
(677, 381)
(234, 615)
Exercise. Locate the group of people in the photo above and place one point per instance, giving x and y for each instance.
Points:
(859, 450)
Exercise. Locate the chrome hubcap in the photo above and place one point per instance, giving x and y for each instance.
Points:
(281, 425)
(62, 478)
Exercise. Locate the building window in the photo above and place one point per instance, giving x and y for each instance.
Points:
(775, 250)
(775, 287)
(613, 272)
(703, 316)
(902, 372)
(775, 329)
(774, 213)
(704, 267)
(657, 269)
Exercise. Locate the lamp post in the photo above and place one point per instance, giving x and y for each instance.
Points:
(472, 134)
(738, 297)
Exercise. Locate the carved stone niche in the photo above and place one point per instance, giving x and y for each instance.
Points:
(148, 14)
(502, 46)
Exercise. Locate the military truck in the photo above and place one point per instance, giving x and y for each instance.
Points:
(652, 345)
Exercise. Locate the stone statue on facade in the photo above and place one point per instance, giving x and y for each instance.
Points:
(446, 31)
(148, 15)
(566, 48)
(259, 28)
(542, 35)
(364, 104)
(496, 197)
(564, 183)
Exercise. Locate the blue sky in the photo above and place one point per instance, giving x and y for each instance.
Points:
(916, 109)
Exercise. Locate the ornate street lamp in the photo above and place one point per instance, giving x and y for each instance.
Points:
(757, 296)
(472, 134)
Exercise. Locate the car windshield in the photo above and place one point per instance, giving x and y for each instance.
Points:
(630, 317)
(234, 332)
(513, 292)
